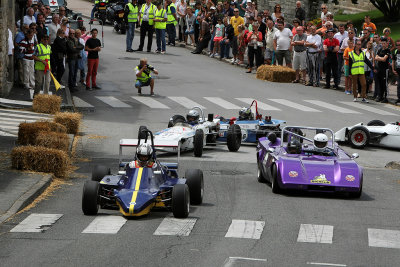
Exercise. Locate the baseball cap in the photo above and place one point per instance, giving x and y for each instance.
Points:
(212, 8)
(330, 30)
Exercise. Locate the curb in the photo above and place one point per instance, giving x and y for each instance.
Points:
(27, 197)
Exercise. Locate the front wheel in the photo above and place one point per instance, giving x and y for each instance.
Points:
(376, 123)
(274, 180)
(356, 194)
(195, 182)
(234, 138)
(99, 171)
(90, 203)
(359, 137)
(198, 141)
(260, 176)
(180, 201)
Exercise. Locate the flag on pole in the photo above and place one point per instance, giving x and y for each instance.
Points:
(56, 83)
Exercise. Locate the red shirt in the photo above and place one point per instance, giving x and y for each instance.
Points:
(334, 42)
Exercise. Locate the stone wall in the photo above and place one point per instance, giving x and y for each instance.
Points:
(347, 7)
(7, 21)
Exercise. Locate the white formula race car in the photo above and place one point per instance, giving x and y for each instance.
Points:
(376, 132)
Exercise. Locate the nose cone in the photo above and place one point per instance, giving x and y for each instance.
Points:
(134, 203)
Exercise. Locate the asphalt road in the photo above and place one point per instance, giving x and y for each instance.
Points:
(241, 222)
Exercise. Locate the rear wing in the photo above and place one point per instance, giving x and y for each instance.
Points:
(157, 144)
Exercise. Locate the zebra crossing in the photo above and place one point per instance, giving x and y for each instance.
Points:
(238, 229)
(10, 120)
(213, 103)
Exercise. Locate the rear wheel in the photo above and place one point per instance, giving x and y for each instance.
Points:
(90, 203)
(195, 182)
(176, 119)
(198, 141)
(260, 176)
(376, 123)
(274, 180)
(141, 133)
(180, 201)
(356, 194)
(99, 171)
(359, 137)
(234, 137)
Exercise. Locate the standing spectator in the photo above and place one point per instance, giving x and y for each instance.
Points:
(331, 47)
(181, 10)
(396, 68)
(341, 35)
(41, 28)
(300, 13)
(368, 24)
(390, 42)
(132, 10)
(19, 55)
(65, 26)
(382, 58)
(205, 36)
(269, 46)
(10, 53)
(357, 60)
(313, 43)
(282, 39)
(53, 28)
(59, 51)
(365, 38)
(48, 16)
(251, 11)
(329, 17)
(263, 27)
(160, 21)
(296, 23)
(242, 43)
(324, 13)
(196, 24)
(347, 81)
(351, 38)
(33, 27)
(242, 8)
(35, 10)
(27, 46)
(62, 13)
(277, 13)
(227, 40)
(146, 17)
(219, 34)
(254, 40)
(29, 17)
(369, 54)
(82, 59)
(228, 10)
(171, 22)
(93, 46)
(299, 56)
(74, 48)
(190, 22)
(236, 20)
(376, 46)
(349, 25)
(42, 66)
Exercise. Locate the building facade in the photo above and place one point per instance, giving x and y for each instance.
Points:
(7, 21)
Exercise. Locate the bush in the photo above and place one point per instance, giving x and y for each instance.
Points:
(46, 104)
(70, 120)
(28, 132)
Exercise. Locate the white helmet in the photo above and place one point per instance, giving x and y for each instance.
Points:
(193, 116)
(143, 154)
(320, 142)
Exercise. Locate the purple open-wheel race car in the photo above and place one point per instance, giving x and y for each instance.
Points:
(296, 162)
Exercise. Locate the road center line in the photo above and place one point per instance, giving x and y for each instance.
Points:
(326, 264)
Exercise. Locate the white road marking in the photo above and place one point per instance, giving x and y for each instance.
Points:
(294, 105)
(9, 127)
(383, 238)
(25, 112)
(186, 102)
(79, 103)
(233, 261)
(105, 225)
(368, 108)
(16, 102)
(2, 133)
(332, 107)
(36, 223)
(221, 102)
(260, 105)
(16, 120)
(326, 264)
(150, 102)
(15, 123)
(314, 233)
(176, 227)
(113, 102)
(9, 114)
(245, 229)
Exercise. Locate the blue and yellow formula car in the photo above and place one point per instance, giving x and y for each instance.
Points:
(252, 125)
(136, 190)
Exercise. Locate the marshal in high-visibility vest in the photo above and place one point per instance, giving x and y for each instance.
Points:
(133, 13)
(44, 52)
(151, 13)
(160, 16)
(146, 74)
(357, 67)
(170, 18)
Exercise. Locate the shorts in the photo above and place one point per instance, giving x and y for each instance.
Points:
(141, 84)
(299, 60)
(218, 39)
(189, 32)
(268, 53)
(280, 54)
(346, 70)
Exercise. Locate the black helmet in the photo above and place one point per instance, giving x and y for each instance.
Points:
(294, 147)
(272, 137)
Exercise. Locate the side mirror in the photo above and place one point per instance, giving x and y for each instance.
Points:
(354, 156)
(157, 172)
(271, 150)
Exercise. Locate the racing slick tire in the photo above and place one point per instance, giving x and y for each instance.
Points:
(99, 171)
(234, 138)
(274, 180)
(260, 176)
(376, 123)
(356, 194)
(359, 137)
(198, 142)
(176, 119)
(90, 203)
(180, 201)
(211, 140)
(141, 133)
(195, 182)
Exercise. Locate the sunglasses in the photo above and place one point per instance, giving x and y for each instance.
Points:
(323, 8)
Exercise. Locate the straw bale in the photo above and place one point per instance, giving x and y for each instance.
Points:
(276, 74)
(27, 132)
(46, 103)
(71, 120)
(53, 140)
(40, 159)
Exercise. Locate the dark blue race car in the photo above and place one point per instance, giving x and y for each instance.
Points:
(135, 190)
(252, 125)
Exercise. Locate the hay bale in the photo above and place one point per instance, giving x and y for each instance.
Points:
(46, 103)
(27, 132)
(71, 120)
(276, 74)
(40, 159)
(53, 140)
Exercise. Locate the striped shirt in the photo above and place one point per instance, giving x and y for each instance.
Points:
(27, 47)
(48, 20)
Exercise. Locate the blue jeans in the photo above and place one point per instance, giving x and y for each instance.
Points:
(212, 41)
(140, 84)
(340, 66)
(73, 72)
(171, 33)
(130, 33)
(93, 10)
(224, 48)
(160, 37)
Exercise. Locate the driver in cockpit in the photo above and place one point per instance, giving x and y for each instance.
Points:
(321, 145)
(193, 117)
(144, 157)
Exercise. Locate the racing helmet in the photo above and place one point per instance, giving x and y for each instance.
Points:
(245, 114)
(294, 147)
(320, 142)
(144, 153)
(193, 116)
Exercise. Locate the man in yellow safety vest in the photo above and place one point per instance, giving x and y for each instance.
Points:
(143, 76)
(132, 10)
(160, 23)
(146, 20)
(42, 66)
(357, 60)
(171, 21)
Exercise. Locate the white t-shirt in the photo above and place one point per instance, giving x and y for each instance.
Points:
(341, 37)
(28, 20)
(283, 39)
(316, 39)
(53, 28)
(323, 16)
(345, 43)
(181, 8)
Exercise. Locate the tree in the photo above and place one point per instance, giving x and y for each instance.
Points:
(389, 8)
